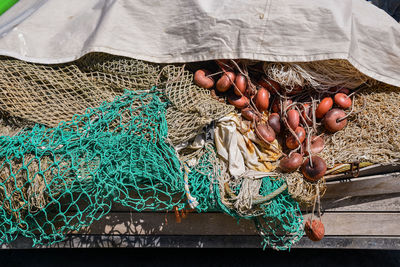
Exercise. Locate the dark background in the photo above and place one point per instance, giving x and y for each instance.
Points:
(392, 7)
(197, 257)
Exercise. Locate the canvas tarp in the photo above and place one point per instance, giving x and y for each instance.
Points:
(194, 30)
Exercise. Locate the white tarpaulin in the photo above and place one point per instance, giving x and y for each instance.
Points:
(57, 31)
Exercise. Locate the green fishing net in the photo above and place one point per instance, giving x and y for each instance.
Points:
(279, 221)
(281, 224)
(56, 180)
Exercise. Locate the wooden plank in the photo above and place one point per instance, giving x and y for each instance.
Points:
(195, 241)
(371, 185)
(375, 203)
(337, 224)
(368, 171)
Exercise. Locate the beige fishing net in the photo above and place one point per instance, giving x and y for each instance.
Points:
(372, 133)
(320, 75)
(49, 94)
(192, 107)
(124, 72)
(302, 191)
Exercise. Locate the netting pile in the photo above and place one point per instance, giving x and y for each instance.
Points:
(373, 132)
(105, 135)
(65, 173)
(119, 72)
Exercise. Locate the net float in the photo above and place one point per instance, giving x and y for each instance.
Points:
(291, 162)
(225, 82)
(274, 120)
(315, 230)
(316, 145)
(262, 99)
(323, 107)
(306, 114)
(316, 171)
(293, 118)
(238, 101)
(342, 100)
(201, 79)
(270, 85)
(241, 85)
(249, 114)
(291, 141)
(333, 121)
(265, 133)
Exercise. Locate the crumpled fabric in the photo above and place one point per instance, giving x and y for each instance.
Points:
(239, 147)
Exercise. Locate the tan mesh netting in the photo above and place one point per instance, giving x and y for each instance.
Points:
(127, 72)
(372, 134)
(192, 107)
(320, 75)
(302, 191)
(47, 94)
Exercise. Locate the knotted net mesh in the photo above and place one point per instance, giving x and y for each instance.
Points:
(55, 180)
(373, 130)
(278, 219)
(192, 107)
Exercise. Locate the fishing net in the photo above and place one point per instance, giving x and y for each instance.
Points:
(47, 94)
(192, 107)
(373, 131)
(303, 191)
(321, 75)
(55, 180)
(275, 214)
(122, 72)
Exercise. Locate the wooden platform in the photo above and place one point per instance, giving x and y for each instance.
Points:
(361, 212)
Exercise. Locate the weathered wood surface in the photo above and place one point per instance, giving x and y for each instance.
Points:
(364, 186)
(336, 224)
(375, 203)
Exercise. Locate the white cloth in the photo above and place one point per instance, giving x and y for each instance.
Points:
(193, 30)
(238, 146)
